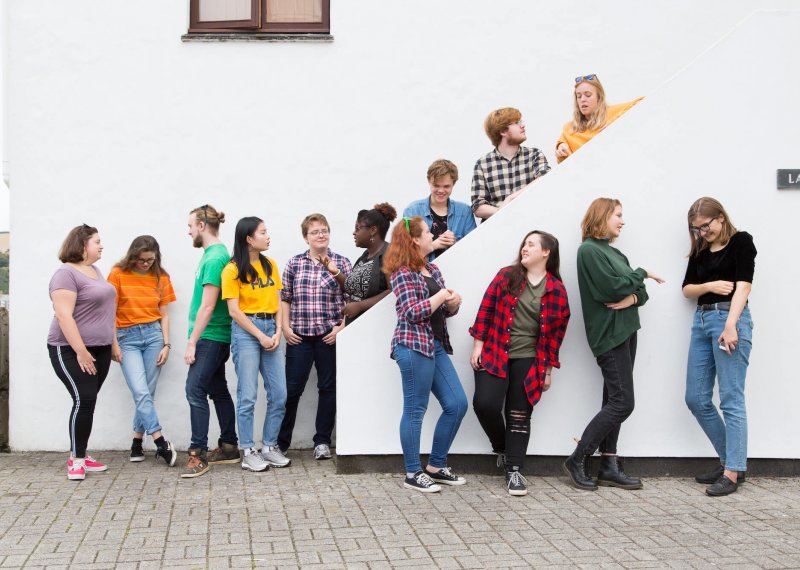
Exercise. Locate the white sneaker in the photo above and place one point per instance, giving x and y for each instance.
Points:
(274, 457)
(252, 461)
(322, 451)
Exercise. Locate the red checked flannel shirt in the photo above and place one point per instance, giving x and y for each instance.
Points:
(493, 326)
(414, 312)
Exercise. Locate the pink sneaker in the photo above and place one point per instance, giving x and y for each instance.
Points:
(91, 465)
(76, 470)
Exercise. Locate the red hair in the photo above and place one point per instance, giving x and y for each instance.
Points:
(402, 251)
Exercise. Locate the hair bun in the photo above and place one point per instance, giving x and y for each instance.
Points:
(221, 217)
(386, 210)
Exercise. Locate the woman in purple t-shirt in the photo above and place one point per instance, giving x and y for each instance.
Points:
(80, 337)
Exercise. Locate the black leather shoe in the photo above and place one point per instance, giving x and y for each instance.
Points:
(722, 487)
(575, 468)
(612, 475)
(713, 476)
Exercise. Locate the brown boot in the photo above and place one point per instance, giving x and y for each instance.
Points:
(225, 453)
(196, 464)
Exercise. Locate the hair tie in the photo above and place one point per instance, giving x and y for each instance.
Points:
(406, 220)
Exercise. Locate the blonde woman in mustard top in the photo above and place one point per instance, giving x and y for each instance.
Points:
(591, 115)
(142, 344)
(250, 285)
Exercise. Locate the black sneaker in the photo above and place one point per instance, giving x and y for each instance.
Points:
(516, 483)
(445, 476)
(137, 454)
(421, 482)
(167, 453)
(722, 487)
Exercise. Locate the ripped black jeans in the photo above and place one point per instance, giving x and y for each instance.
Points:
(508, 433)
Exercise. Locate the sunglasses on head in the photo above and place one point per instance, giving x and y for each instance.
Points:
(585, 78)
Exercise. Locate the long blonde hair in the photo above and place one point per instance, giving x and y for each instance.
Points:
(598, 117)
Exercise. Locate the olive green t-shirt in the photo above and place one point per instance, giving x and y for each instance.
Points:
(525, 329)
(209, 272)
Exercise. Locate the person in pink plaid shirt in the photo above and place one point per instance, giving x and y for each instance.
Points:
(420, 346)
(312, 303)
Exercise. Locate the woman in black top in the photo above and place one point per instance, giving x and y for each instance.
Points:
(366, 284)
(720, 276)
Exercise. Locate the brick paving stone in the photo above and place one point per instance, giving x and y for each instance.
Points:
(144, 516)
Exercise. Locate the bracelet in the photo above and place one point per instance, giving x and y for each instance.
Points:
(337, 273)
(167, 345)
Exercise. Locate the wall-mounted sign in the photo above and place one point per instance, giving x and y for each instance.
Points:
(788, 179)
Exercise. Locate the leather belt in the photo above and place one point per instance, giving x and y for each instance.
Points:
(715, 307)
(268, 316)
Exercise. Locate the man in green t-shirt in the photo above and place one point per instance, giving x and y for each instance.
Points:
(208, 348)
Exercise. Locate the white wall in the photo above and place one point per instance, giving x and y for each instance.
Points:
(114, 122)
(718, 128)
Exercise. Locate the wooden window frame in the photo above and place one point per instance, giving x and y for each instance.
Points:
(259, 23)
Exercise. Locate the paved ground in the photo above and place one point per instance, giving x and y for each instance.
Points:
(143, 516)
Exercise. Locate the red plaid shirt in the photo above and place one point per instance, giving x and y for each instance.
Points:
(413, 307)
(493, 326)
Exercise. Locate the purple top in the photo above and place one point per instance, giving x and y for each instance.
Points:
(95, 307)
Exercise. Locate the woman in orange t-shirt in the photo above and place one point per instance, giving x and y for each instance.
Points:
(590, 116)
(142, 343)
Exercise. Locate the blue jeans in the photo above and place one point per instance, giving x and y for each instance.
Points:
(249, 357)
(421, 377)
(706, 360)
(140, 345)
(207, 380)
(299, 358)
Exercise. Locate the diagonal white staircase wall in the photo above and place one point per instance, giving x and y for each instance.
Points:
(721, 127)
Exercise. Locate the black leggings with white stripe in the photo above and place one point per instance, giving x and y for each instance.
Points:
(82, 388)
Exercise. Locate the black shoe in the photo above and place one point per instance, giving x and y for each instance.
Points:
(445, 477)
(713, 476)
(167, 453)
(612, 475)
(421, 482)
(137, 454)
(575, 468)
(723, 486)
(516, 483)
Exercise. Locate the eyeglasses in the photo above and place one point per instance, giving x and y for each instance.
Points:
(361, 227)
(520, 123)
(147, 261)
(585, 78)
(701, 229)
(316, 233)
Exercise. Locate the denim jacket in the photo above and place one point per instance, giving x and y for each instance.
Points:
(460, 220)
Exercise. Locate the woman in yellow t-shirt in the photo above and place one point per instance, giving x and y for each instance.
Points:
(141, 345)
(250, 285)
(591, 115)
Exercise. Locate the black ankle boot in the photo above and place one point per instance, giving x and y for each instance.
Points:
(612, 475)
(575, 468)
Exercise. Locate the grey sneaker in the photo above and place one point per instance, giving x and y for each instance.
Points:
(253, 461)
(322, 451)
(274, 456)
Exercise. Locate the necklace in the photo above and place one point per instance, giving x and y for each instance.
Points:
(87, 270)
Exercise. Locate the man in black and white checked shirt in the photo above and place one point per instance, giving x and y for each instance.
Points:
(504, 173)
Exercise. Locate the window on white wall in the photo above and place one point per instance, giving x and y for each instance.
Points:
(264, 16)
